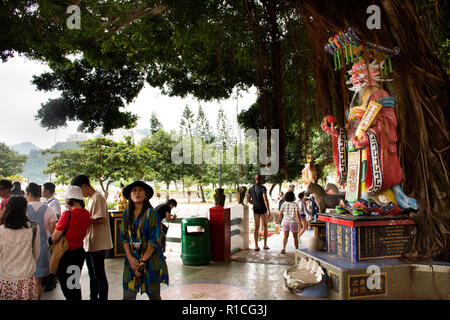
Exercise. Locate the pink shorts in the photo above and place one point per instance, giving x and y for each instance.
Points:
(290, 226)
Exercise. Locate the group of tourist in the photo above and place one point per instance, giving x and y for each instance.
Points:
(25, 226)
(29, 227)
(294, 216)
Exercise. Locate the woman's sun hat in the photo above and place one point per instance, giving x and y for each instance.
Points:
(127, 190)
(73, 192)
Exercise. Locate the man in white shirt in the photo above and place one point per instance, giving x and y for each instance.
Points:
(98, 238)
(48, 193)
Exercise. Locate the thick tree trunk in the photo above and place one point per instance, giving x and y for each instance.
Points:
(277, 92)
(422, 88)
(167, 192)
(255, 23)
(105, 189)
(182, 182)
(202, 193)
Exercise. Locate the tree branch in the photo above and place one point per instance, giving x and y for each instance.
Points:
(135, 15)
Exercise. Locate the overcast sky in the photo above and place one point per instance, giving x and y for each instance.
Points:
(19, 102)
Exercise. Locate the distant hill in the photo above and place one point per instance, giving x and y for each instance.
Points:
(65, 145)
(37, 162)
(24, 148)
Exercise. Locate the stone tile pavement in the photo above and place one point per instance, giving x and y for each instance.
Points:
(238, 280)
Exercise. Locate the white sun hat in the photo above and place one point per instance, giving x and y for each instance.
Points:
(73, 192)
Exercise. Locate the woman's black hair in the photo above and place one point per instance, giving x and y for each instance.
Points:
(16, 186)
(71, 202)
(130, 211)
(301, 195)
(15, 214)
(6, 184)
(289, 196)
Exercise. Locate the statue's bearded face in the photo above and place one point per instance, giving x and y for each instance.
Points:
(361, 77)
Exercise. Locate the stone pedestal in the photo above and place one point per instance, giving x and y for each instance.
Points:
(365, 238)
(397, 279)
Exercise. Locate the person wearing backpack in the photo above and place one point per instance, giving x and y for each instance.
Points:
(45, 217)
(303, 209)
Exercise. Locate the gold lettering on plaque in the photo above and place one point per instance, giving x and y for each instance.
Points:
(353, 176)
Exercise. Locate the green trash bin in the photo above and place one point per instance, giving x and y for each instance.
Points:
(195, 243)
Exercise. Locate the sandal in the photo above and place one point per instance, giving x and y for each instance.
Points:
(266, 248)
(256, 249)
(283, 252)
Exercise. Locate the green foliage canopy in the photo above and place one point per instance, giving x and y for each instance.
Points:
(11, 162)
(101, 159)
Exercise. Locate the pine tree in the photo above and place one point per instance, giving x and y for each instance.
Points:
(187, 122)
(155, 124)
(202, 127)
(224, 130)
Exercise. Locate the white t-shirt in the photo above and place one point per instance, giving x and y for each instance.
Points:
(49, 215)
(98, 236)
(54, 204)
(289, 214)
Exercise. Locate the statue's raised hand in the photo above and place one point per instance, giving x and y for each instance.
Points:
(360, 143)
(328, 125)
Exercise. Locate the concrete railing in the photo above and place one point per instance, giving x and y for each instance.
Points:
(239, 228)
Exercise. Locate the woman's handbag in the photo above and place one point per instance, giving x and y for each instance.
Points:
(59, 248)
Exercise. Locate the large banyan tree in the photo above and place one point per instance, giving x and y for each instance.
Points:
(209, 48)
(421, 86)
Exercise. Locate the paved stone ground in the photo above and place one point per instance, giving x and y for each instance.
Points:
(258, 278)
(250, 280)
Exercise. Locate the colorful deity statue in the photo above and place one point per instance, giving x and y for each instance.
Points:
(365, 151)
(122, 203)
(309, 172)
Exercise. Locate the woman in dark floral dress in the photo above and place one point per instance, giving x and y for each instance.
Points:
(145, 267)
